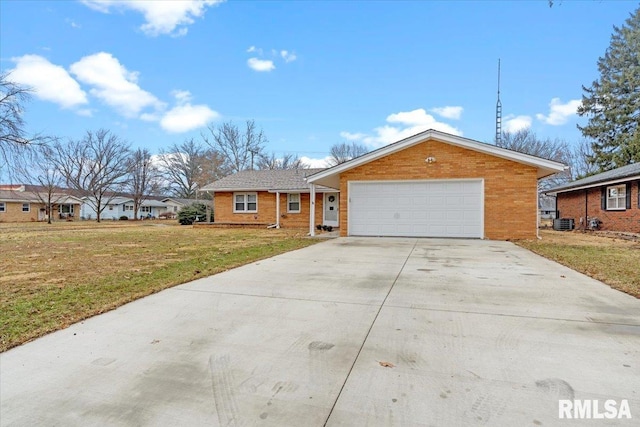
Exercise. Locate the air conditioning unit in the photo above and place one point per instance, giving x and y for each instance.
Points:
(564, 224)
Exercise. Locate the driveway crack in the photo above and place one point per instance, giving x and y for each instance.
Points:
(395, 280)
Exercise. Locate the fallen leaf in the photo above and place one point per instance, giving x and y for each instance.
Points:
(386, 364)
(155, 341)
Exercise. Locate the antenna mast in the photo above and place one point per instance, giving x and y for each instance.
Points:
(498, 112)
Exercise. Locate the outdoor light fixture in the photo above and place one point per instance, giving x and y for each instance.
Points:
(430, 159)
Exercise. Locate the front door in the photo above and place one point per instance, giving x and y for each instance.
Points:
(331, 206)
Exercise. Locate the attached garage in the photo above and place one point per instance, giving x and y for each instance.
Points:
(435, 208)
(435, 184)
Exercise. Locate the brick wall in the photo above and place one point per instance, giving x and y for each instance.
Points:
(13, 212)
(510, 187)
(587, 203)
(267, 210)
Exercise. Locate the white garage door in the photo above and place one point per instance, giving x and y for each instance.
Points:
(416, 208)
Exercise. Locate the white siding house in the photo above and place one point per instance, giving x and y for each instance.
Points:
(123, 206)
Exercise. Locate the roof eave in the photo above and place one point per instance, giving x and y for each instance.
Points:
(594, 184)
(545, 167)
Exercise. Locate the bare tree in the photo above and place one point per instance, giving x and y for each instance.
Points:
(343, 152)
(144, 178)
(41, 169)
(240, 150)
(582, 164)
(287, 161)
(14, 141)
(189, 166)
(527, 142)
(97, 166)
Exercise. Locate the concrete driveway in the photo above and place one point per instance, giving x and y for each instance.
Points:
(472, 332)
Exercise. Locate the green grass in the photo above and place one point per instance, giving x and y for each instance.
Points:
(611, 260)
(57, 275)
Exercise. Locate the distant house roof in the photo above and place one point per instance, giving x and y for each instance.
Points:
(625, 173)
(34, 197)
(264, 180)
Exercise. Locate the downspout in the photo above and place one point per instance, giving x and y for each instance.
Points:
(312, 210)
(277, 209)
(586, 209)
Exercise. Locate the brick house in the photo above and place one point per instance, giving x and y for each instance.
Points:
(17, 204)
(611, 197)
(272, 197)
(431, 184)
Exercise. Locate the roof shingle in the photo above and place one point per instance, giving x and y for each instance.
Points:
(289, 179)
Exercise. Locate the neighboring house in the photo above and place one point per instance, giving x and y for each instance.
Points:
(547, 206)
(272, 197)
(20, 205)
(174, 204)
(118, 207)
(431, 184)
(611, 197)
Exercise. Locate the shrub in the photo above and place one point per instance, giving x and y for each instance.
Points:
(192, 213)
(124, 218)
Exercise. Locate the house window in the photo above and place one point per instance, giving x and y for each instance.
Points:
(293, 202)
(26, 207)
(175, 209)
(128, 207)
(3, 207)
(65, 209)
(110, 207)
(617, 197)
(145, 209)
(245, 202)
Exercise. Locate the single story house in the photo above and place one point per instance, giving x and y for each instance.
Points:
(174, 204)
(431, 184)
(117, 207)
(20, 205)
(611, 199)
(272, 197)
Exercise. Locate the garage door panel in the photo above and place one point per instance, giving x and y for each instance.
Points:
(414, 209)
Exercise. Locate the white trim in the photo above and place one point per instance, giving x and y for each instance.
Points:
(246, 201)
(617, 198)
(597, 184)
(545, 167)
(289, 210)
(482, 189)
(312, 210)
(277, 209)
(335, 223)
(28, 207)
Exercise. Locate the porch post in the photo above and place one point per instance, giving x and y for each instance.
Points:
(312, 211)
(277, 209)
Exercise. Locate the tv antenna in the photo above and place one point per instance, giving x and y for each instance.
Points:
(498, 111)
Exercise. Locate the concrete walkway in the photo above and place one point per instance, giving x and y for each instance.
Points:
(471, 332)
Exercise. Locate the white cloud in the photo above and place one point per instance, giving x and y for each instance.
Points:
(352, 136)
(161, 16)
(113, 84)
(260, 64)
(403, 124)
(515, 123)
(253, 49)
(559, 113)
(184, 116)
(448, 112)
(316, 163)
(288, 56)
(50, 82)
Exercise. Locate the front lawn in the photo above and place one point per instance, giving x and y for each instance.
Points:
(609, 258)
(55, 275)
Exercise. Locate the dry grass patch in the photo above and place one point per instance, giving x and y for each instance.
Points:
(605, 257)
(53, 276)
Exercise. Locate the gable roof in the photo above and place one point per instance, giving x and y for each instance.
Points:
(35, 197)
(624, 173)
(331, 177)
(264, 180)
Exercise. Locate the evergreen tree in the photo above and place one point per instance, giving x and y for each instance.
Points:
(612, 103)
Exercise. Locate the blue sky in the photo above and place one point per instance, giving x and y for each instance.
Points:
(309, 73)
